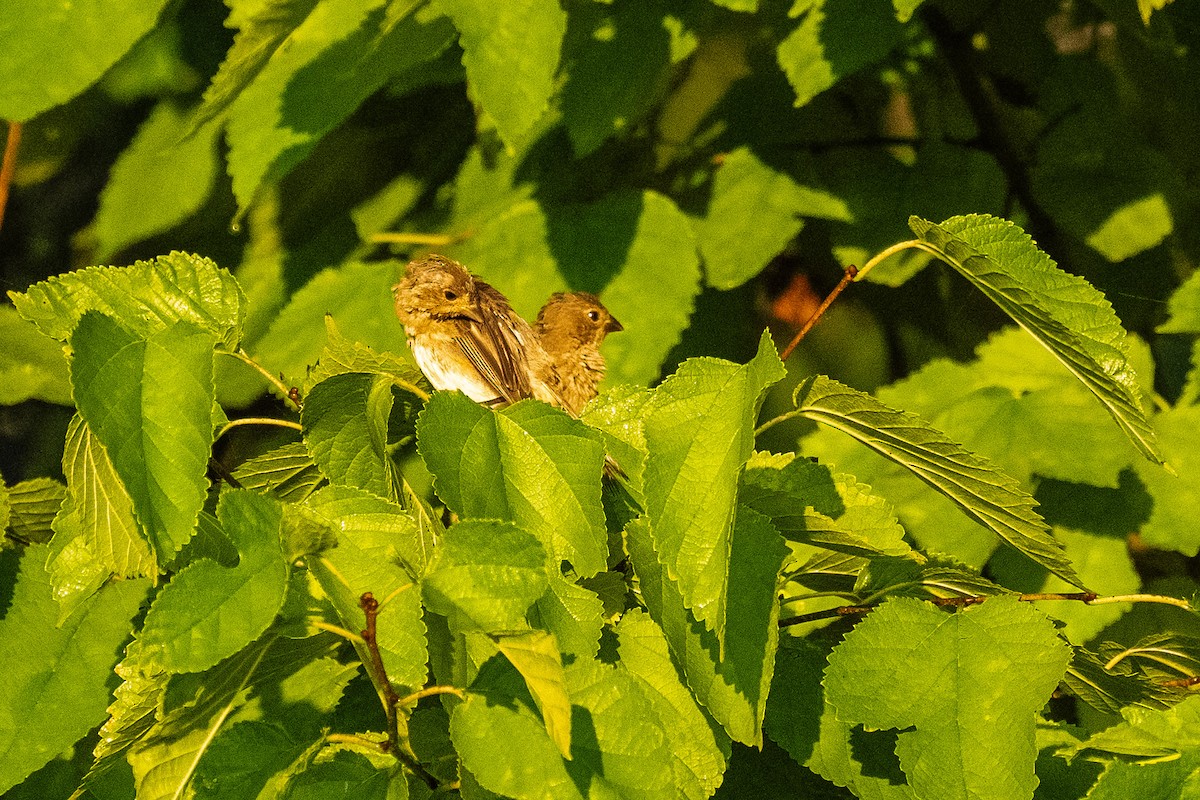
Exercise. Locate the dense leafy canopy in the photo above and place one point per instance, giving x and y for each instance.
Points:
(945, 548)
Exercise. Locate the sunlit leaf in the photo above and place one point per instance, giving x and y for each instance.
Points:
(983, 492)
(1062, 311)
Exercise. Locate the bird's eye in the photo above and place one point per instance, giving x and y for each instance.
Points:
(594, 315)
(450, 295)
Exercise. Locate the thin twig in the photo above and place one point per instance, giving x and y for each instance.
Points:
(355, 739)
(290, 392)
(888, 252)
(9, 166)
(851, 271)
(429, 239)
(968, 600)
(345, 634)
(378, 674)
(279, 423)
(1144, 598)
(430, 691)
(1182, 683)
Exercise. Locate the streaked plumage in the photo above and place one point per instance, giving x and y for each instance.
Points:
(571, 327)
(464, 335)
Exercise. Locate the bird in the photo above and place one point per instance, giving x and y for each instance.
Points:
(464, 335)
(570, 328)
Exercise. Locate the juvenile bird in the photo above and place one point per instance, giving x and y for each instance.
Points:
(464, 335)
(571, 327)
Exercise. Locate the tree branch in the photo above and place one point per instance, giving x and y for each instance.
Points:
(378, 674)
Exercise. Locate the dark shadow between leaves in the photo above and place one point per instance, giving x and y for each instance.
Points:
(876, 752)
(591, 242)
(585, 751)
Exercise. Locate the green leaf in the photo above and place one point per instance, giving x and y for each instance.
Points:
(1176, 497)
(208, 612)
(261, 33)
(528, 463)
(341, 355)
(983, 492)
(536, 656)
(1173, 780)
(835, 39)
(810, 504)
(699, 749)
(635, 250)
(511, 52)
(258, 679)
(619, 414)
(145, 298)
(1042, 405)
(358, 296)
(1157, 754)
(485, 576)
(159, 181)
(905, 8)
(100, 506)
(346, 774)
(149, 403)
(334, 60)
(53, 52)
(1099, 181)
(56, 675)
(1062, 311)
(500, 738)
(76, 573)
(32, 365)
(627, 753)
(378, 551)
(731, 682)
(1111, 690)
(807, 727)
(970, 685)
(946, 179)
(573, 613)
(1104, 565)
(244, 759)
(615, 74)
(699, 432)
(1150, 734)
(32, 505)
(345, 421)
(754, 212)
(1183, 308)
(288, 473)
(368, 518)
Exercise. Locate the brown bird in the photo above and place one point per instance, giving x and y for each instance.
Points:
(464, 335)
(571, 327)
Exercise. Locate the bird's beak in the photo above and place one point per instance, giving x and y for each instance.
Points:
(613, 325)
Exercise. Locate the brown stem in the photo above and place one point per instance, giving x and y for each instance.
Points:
(370, 608)
(851, 272)
(9, 166)
(969, 600)
(1182, 683)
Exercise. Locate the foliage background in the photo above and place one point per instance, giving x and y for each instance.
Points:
(708, 167)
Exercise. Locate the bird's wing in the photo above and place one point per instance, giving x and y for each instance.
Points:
(495, 350)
